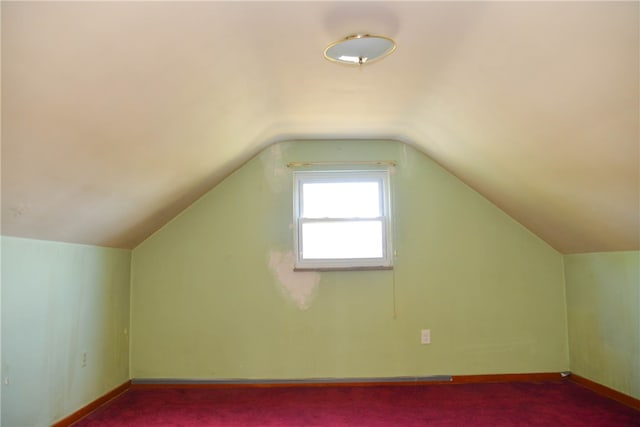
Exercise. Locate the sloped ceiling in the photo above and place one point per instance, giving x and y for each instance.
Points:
(118, 115)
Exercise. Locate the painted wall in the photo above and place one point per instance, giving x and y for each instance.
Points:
(60, 301)
(214, 296)
(603, 305)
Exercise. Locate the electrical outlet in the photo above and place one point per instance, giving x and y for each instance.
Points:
(84, 359)
(425, 336)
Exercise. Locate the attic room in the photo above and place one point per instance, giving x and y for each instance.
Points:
(151, 231)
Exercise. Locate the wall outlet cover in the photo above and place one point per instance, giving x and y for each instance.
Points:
(425, 336)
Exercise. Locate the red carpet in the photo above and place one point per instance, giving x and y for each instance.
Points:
(507, 404)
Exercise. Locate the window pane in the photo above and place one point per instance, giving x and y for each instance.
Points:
(341, 200)
(341, 240)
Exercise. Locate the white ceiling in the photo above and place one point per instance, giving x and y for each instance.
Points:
(118, 115)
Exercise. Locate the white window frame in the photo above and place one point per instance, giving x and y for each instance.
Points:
(382, 176)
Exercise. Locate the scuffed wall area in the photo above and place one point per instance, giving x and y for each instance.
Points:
(214, 295)
(65, 311)
(299, 287)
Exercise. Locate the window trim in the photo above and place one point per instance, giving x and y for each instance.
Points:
(383, 176)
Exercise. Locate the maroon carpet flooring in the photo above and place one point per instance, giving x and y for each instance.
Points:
(506, 404)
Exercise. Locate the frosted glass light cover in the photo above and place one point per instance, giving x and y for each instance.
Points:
(360, 49)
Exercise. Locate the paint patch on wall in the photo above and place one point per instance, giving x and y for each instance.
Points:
(299, 287)
(275, 171)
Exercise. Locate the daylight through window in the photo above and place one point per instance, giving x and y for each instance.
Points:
(342, 219)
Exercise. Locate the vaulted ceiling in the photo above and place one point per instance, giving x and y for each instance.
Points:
(117, 115)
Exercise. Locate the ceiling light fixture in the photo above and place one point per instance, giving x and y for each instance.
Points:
(359, 49)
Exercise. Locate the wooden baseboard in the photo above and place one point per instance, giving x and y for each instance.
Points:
(349, 382)
(508, 378)
(86, 410)
(606, 391)
(275, 383)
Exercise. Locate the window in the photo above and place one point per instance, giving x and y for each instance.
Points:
(342, 219)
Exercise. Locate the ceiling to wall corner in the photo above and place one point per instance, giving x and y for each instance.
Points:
(117, 115)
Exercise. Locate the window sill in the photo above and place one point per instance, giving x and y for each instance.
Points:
(319, 269)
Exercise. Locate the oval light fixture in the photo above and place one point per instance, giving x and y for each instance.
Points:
(360, 49)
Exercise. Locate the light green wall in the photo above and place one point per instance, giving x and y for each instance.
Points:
(603, 306)
(59, 301)
(213, 294)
